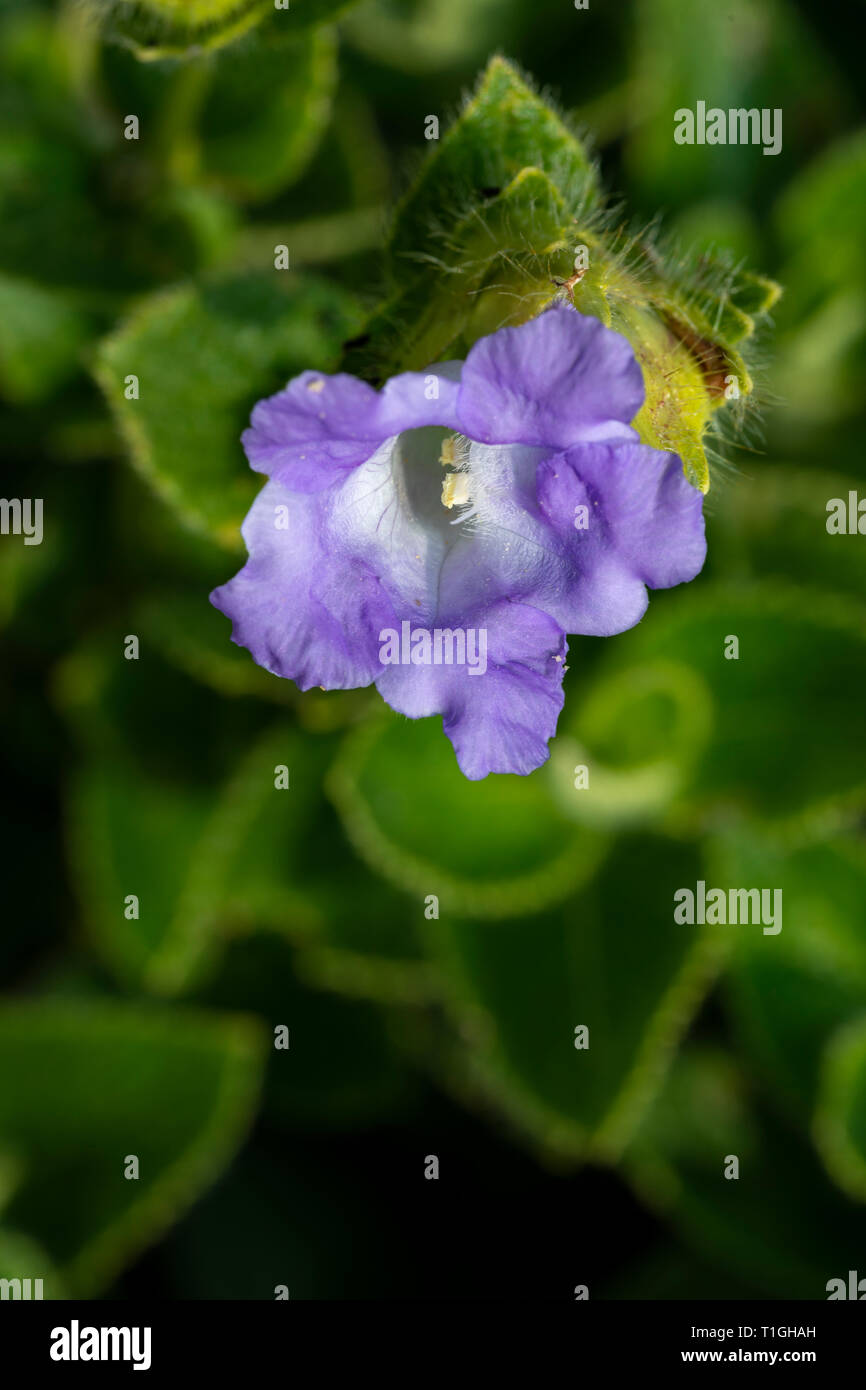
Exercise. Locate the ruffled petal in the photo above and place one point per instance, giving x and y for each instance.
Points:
(557, 380)
(302, 611)
(640, 523)
(499, 720)
(321, 427)
(654, 513)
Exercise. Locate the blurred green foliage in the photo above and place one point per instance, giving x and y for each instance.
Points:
(152, 1034)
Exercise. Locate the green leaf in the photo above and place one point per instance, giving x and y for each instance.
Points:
(616, 733)
(267, 104)
(199, 832)
(488, 849)
(22, 1259)
(821, 218)
(187, 631)
(786, 757)
(190, 633)
(497, 266)
(199, 866)
(504, 129)
(157, 29)
(613, 960)
(505, 217)
(237, 339)
(840, 1122)
(47, 142)
(41, 339)
(303, 13)
(22, 570)
(95, 1082)
(433, 35)
(775, 523)
(369, 941)
(821, 221)
(729, 57)
(163, 28)
(790, 991)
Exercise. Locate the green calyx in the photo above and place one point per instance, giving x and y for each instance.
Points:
(506, 217)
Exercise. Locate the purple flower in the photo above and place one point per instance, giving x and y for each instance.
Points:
(440, 537)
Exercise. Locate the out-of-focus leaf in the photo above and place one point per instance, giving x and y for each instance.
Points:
(41, 337)
(163, 28)
(790, 990)
(168, 28)
(46, 149)
(95, 1083)
(775, 523)
(22, 569)
(130, 837)
(192, 634)
(424, 37)
(821, 221)
(718, 224)
(21, 1258)
(780, 1225)
(611, 959)
(488, 849)
(369, 942)
(729, 57)
(301, 14)
(628, 749)
(267, 104)
(198, 867)
(237, 339)
(840, 1122)
(819, 372)
(151, 715)
(790, 726)
(201, 834)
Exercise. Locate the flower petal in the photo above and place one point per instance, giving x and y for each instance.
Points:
(321, 427)
(501, 720)
(301, 612)
(643, 526)
(655, 514)
(554, 381)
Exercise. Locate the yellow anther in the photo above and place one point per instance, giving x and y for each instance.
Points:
(455, 490)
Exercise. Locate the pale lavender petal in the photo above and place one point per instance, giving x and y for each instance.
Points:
(643, 526)
(320, 427)
(501, 720)
(301, 612)
(557, 380)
